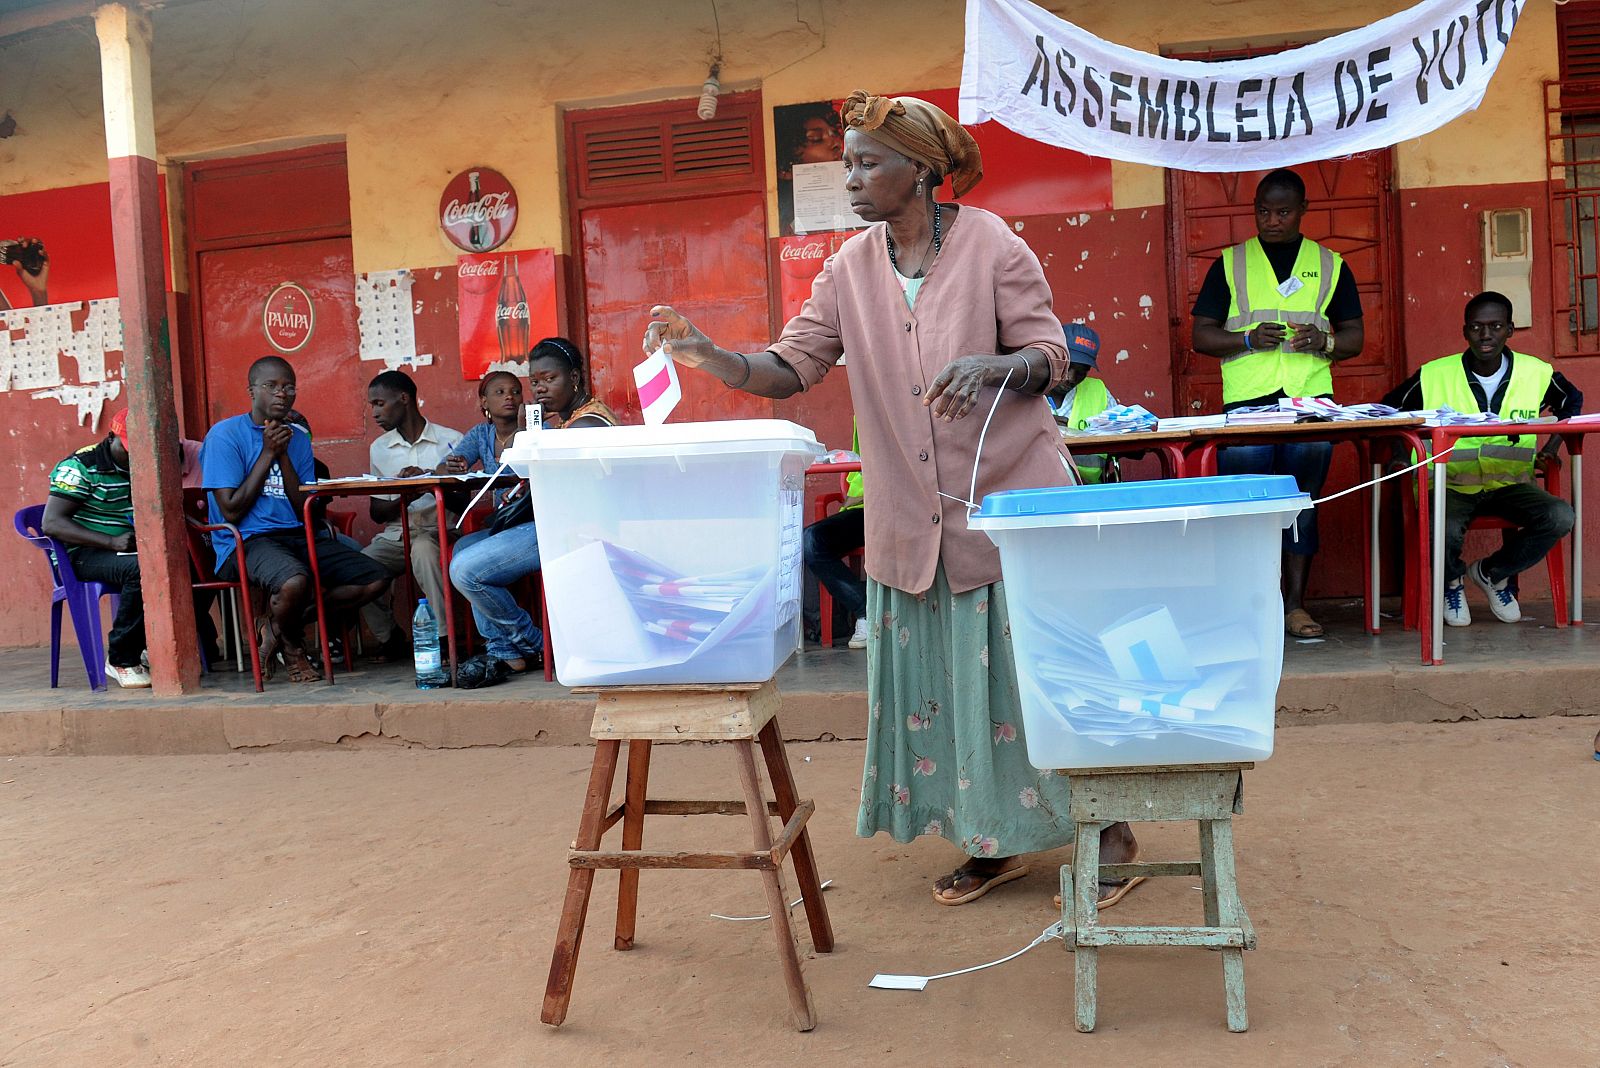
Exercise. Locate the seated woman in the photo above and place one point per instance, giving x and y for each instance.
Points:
(500, 398)
(487, 562)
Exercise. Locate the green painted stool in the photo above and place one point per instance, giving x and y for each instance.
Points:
(1207, 793)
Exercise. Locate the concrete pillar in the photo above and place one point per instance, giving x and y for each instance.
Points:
(157, 465)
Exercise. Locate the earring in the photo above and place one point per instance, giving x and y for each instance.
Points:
(919, 187)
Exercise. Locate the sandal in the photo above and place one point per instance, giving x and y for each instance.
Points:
(301, 669)
(987, 880)
(1119, 888)
(1299, 624)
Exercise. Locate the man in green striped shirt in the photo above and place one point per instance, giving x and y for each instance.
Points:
(90, 510)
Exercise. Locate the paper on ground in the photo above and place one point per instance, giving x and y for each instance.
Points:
(657, 382)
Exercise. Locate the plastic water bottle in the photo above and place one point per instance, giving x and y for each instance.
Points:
(425, 649)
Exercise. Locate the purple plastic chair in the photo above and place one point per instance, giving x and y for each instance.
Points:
(81, 598)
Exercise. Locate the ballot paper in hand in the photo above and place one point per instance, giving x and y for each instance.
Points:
(657, 382)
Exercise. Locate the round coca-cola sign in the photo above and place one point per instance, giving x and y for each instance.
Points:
(288, 318)
(478, 210)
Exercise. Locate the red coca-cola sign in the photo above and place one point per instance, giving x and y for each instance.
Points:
(800, 260)
(288, 317)
(478, 210)
(505, 302)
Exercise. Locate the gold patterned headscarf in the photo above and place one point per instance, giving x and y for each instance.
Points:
(920, 131)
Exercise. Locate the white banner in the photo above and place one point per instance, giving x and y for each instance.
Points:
(1397, 79)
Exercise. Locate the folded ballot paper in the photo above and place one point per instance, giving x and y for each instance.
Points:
(1140, 677)
(641, 614)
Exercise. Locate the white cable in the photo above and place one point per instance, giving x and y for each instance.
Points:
(765, 916)
(918, 982)
(488, 484)
(1384, 478)
(973, 492)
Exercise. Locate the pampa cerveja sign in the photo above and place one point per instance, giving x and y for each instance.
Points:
(1375, 86)
(288, 318)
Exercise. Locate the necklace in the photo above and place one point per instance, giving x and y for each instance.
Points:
(502, 440)
(938, 240)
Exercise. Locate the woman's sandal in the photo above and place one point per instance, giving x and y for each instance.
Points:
(987, 880)
(1120, 889)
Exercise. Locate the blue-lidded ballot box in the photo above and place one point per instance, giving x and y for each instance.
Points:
(1146, 617)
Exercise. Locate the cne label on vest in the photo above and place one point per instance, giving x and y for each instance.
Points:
(1290, 286)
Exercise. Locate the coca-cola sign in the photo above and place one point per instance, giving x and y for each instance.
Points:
(811, 248)
(478, 210)
(288, 317)
(505, 302)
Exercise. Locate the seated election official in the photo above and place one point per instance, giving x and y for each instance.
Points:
(253, 466)
(1494, 476)
(1278, 311)
(1080, 397)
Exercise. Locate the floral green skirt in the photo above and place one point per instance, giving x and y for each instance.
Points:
(945, 753)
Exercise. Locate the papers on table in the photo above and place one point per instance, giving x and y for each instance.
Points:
(1121, 419)
(1263, 416)
(1141, 677)
(1445, 415)
(1322, 408)
(1193, 422)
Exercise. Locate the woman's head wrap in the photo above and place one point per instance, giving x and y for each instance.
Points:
(920, 131)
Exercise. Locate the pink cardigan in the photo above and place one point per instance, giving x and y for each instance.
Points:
(984, 294)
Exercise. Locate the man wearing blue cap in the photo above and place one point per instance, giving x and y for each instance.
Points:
(1080, 398)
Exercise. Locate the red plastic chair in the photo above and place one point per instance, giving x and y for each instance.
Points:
(205, 578)
(1555, 561)
(819, 512)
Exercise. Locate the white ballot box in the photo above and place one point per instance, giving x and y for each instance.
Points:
(670, 553)
(1146, 617)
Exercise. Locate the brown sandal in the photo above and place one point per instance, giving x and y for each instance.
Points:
(987, 880)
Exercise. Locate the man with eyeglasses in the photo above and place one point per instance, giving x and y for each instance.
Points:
(253, 467)
(1494, 476)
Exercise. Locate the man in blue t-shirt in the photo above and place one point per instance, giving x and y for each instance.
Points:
(253, 467)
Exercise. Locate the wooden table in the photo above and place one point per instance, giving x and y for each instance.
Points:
(1441, 438)
(406, 488)
(1169, 446)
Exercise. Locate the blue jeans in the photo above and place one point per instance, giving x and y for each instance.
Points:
(482, 566)
(1307, 461)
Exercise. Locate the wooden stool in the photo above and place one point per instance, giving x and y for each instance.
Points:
(736, 713)
(1207, 793)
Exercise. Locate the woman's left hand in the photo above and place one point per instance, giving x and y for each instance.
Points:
(955, 392)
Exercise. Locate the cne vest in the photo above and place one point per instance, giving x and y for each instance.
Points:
(1257, 297)
(1089, 400)
(1478, 464)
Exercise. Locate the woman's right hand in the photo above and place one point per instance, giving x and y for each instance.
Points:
(684, 341)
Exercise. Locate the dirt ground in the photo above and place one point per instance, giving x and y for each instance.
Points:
(1423, 894)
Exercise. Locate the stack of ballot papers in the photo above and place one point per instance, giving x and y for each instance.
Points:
(1445, 415)
(1263, 415)
(1121, 419)
(1139, 677)
(1322, 408)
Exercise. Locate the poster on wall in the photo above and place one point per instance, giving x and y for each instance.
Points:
(55, 246)
(1020, 177)
(507, 301)
(800, 260)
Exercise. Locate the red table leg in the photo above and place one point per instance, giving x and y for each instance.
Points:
(316, 590)
(444, 568)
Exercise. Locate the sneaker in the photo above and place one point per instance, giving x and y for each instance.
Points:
(129, 678)
(1456, 613)
(1502, 602)
(858, 640)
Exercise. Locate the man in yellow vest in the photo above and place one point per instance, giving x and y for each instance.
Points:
(1080, 398)
(1494, 476)
(1279, 310)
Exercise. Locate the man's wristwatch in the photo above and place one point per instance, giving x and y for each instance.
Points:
(1327, 344)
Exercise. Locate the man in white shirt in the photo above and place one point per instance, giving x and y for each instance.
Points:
(410, 445)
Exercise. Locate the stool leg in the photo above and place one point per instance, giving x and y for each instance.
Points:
(1086, 961)
(805, 862)
(569, 935)
(632, 838)
(1228, 915)
(777, 898)
(1208, 873)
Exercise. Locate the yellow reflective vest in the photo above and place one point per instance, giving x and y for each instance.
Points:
(1089, 399)
(1479, 464)
(1258, 297)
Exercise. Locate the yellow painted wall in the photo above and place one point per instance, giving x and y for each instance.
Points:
(420, 90)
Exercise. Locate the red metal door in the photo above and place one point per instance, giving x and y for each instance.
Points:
(235, 285)
(1349, 212)
(670, 208)
(706, 258)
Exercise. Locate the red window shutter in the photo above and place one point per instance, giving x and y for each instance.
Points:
(664, 152)
(1578, 37)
